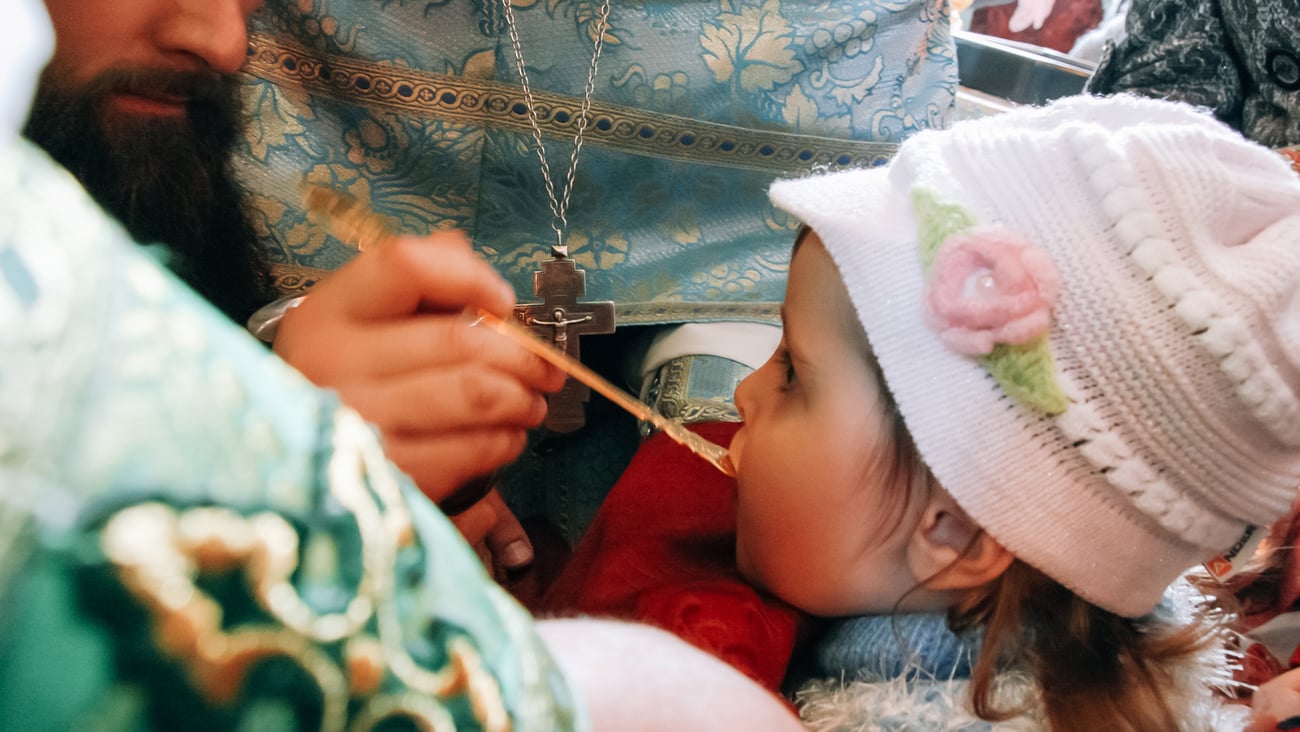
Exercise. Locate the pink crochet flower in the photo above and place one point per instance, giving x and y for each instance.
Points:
(990, 286)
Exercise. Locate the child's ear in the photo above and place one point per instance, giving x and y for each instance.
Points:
(948, 551)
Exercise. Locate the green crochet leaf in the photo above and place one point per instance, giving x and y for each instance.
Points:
(936, 221)
(1027, 374)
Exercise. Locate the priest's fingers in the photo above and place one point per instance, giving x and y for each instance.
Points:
(439, 272)
(508, 542)
(475, 524)
(446, 400)
(496, 535)
(389, 348)
(442, 463)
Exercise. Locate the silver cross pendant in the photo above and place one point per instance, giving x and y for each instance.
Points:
(560, 319)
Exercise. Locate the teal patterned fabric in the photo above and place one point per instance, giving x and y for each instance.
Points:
(193, 537)
(414, 107)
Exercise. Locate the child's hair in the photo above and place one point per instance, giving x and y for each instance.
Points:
(1123, 672)
(1088, 316)
(1120, 669)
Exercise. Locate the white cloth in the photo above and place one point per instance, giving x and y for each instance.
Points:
(22, 56)
(747, 343)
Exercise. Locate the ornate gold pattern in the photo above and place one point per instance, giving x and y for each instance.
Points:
(654, 313)
(160, 552)
(671, 394)
(494, 104)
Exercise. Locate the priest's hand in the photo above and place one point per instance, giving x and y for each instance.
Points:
(388, 332)
(496, 535)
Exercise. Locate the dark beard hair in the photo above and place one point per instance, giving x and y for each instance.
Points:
(168, 180)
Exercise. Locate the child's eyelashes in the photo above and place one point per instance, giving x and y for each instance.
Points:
(783, 358)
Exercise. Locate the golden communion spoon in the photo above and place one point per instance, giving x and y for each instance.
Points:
(715, 454)
(354, 223)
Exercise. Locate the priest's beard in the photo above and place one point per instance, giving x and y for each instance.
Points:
(167, 179)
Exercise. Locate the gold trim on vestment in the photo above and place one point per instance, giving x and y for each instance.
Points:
(297, 279)
(498, 105)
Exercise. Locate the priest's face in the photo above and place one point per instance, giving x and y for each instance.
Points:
(140, 103)
(176, 35)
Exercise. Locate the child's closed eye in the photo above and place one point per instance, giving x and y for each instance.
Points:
(783, 358)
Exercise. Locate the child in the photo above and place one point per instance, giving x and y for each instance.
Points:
(1031, 373)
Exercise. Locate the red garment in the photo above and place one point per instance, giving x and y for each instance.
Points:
(661, 550)
(1068, 20)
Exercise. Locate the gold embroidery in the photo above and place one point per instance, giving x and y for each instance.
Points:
(673, 398)
(159, 554)
(493, 104)
(296, 279)
(158, 564)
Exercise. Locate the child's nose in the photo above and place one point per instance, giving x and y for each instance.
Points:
(742, 395)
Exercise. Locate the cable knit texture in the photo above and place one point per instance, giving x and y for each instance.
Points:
(1174, 335)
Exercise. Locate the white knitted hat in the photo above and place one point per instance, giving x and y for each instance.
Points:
(1147, 260)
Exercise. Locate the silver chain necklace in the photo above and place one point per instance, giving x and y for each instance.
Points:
(560, 203)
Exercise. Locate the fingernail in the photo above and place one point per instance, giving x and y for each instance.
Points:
(516, 554)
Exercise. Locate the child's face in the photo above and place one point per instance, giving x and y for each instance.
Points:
(820, 514)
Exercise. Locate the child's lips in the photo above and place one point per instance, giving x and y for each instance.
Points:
(732, 458)
(728, 466)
